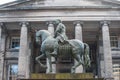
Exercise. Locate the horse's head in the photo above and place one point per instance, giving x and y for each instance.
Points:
(42, 34)
(37, 37)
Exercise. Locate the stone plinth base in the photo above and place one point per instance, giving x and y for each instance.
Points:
(60, 76)
(80, 76)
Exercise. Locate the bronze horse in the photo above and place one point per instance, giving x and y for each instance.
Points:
(80, 50)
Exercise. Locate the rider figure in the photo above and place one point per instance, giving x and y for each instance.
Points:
(59, 35)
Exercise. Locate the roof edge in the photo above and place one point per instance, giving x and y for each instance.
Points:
(60, 7)
(4, 6)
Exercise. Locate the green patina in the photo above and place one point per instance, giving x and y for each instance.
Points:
(60, 46)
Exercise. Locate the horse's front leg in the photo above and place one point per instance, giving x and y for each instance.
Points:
(38, 60)
(49, 63)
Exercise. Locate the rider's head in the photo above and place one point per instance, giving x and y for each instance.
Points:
(58, 21)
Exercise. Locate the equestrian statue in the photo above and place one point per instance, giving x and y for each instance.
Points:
(50, 45)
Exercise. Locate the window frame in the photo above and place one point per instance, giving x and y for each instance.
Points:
(11, 41)
(9, 71)
(116, 70)
(114, 41)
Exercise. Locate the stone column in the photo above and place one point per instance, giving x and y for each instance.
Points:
(1, 53)
(119, 40)
(51, 27)
(0, 33)
(23, 52)
(2, 49)
(78, 35)
(100, 56)
(78, 30)
(107, 51)
(51, 30)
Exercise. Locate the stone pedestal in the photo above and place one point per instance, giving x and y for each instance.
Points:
(83, 76)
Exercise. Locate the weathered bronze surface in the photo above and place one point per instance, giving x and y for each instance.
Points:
(59, 44)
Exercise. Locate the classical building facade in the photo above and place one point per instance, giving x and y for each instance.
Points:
(96, 22)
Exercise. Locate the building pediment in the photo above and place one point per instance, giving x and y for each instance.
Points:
(29, 4)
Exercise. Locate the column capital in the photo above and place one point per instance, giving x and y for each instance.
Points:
(24, 23)
(3, 27)
(76, 23)
(105, 23)
(50, 22)
(1, 24)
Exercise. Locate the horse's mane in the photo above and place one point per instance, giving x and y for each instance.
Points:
(45, 32)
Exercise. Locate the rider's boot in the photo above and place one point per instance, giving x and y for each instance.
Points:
(54, 53)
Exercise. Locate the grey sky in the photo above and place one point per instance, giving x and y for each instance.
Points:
(5, 1)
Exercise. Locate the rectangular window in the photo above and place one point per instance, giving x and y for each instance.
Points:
(116, 71)
(13, 71)
(114, 41)
(15, 42)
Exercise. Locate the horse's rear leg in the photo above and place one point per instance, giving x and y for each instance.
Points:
(78, 59)
(49, 63)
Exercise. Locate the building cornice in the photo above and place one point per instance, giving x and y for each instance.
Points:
(59, 8)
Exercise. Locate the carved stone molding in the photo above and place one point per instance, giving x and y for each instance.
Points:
(104, 23)
(24, 24)
(78, 23)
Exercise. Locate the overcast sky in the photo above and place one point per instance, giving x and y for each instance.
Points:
(5, 1)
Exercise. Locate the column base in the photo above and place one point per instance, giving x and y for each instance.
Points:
(20, 77)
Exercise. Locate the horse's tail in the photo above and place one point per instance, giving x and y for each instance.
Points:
(86, 55)
(37, 59)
